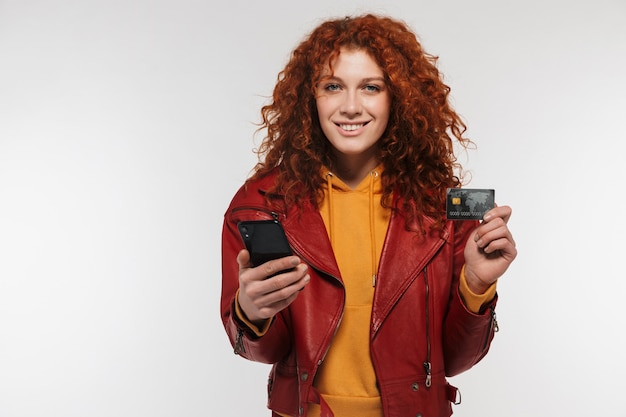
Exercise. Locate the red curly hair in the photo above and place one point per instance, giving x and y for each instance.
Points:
(416, 150)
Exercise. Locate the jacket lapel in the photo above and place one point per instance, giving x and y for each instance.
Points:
(404, 256)
(307, 235)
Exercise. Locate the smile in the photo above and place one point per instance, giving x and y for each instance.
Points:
(351, 127)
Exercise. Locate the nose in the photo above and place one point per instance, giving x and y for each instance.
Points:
(351, 105)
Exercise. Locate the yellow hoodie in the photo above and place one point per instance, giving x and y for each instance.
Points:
(356, 224)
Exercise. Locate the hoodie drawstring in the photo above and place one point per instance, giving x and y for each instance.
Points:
(329, 182)
(373, 175)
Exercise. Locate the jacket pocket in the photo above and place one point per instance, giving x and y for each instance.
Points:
(410, 396)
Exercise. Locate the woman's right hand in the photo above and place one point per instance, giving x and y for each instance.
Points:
(261, 298)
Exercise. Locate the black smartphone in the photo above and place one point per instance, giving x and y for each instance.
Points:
(264, 239)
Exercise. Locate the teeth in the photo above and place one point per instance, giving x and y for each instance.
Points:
(351, 127)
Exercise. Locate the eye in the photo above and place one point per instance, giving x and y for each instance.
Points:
(372, 88)
(332, 87)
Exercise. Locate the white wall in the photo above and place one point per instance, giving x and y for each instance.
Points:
(126, 126)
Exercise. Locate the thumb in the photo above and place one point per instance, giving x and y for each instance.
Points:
(243, 259)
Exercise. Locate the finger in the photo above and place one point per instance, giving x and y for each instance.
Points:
(503, 212)
(504, 245)
(265, 279)
(494, 224)
(281, 293)
(277, 265)
(285, 279)
(262, 298)
(273, 309)
(484, 237)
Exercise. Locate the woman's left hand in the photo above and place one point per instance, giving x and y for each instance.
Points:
(489, 250)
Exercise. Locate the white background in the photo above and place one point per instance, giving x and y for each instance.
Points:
(126, 126)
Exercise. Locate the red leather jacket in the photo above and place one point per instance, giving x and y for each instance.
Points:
(421, 330)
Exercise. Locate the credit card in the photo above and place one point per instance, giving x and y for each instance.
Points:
(468, 203)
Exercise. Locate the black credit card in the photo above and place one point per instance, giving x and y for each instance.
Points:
(468, 203)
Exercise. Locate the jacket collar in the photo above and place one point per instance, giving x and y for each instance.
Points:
(306, 233)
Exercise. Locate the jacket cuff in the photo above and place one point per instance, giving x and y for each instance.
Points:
(242, 319)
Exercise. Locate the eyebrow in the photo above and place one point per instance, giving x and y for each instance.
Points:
(364, 80)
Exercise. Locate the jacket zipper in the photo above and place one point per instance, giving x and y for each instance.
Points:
(427, 363)
(276, 216)
(321, 360)
(239, 347)
(493, 326)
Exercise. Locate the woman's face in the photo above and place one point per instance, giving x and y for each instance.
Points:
(353, 105)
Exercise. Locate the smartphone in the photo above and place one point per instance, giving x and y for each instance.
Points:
(264, 239)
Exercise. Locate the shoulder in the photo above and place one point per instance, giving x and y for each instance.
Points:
(253, 192)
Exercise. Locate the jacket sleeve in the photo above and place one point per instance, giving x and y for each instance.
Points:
(467, 335)
(275, 343)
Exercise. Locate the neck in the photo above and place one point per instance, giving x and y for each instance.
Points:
(353, 170)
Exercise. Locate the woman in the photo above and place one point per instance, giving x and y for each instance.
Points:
(383, 297)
